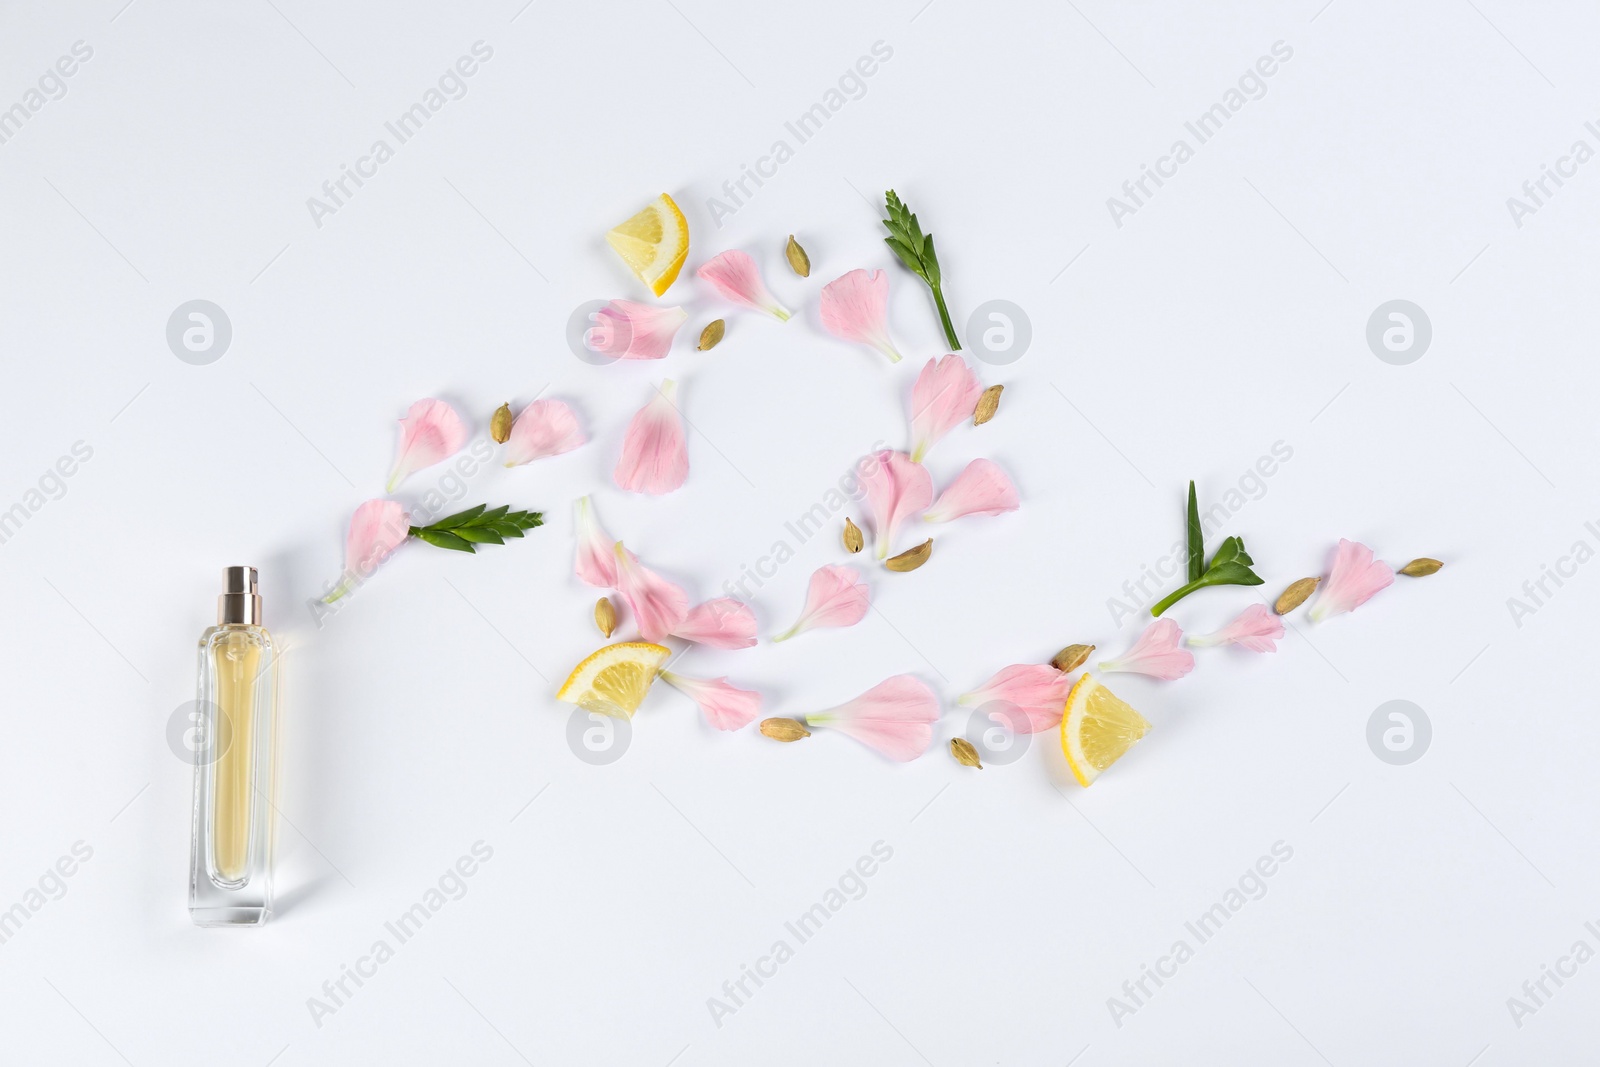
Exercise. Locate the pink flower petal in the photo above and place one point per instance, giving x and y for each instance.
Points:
(735, 276)
(1356, 576)
(1156, 653)
(897, 487)
(545, 428)
(659, 606)
(836, 597)
(946, 393)
(855, 307)
(725, 706)
(630, 330)
(1256, 629)
(430, 432)
(982, 489)
(597, 559)
(1037, 690)
(896, 717)
(655, 456)
(377, 528)
(720, 623)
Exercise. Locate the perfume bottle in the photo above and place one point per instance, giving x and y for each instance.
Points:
(230, 875)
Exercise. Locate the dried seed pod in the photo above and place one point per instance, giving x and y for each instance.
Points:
(1295, 595)
(853, 541)
(988, 404)
(1420, 567)
(798, 260)
(605, 616)
(784, 729)
(1071, 658)
(911, 558)
(964, 753)
(500, 424)
(712, 334)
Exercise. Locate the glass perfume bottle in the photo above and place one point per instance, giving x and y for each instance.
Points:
(230, 876)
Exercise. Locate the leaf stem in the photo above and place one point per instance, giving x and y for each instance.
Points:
(1172, 598)
(944, 319)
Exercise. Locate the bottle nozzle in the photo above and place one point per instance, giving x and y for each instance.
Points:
(239, 603)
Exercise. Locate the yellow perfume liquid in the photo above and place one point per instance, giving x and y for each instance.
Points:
(231, 856)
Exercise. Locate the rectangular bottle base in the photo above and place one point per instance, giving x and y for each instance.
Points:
(230, 916)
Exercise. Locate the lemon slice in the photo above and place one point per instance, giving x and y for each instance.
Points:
(1097, 729)
(614, 680)
(654, 243)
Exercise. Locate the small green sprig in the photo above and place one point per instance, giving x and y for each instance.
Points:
(465, 530)
(1230, 566)
(915, 250)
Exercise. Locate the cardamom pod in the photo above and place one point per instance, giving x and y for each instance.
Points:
(964, 753)
(500, 424)
(711, 334)
(853, 541)
(1295, 595)
(784, 729)
(988, 404)
(605, 616)
(798, 260)
(1071, 658)
(1420, 567)
(911, 558)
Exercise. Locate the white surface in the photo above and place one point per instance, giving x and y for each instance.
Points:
(1226, 315)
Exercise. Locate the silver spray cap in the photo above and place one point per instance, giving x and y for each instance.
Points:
(239, 603)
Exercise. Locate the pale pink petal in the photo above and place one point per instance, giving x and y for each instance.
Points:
(377, 528)
(1156, 653)
(735, 276)
(725, 706)
(629, 330)
(545, 428)
(897, 488)
(1037, 690)
(982, 489)
(659, 606)
(837, 596)
(1256, 629)
(597, 559)
(896, 717)
(1356, 576)
(855, 307)
(946, 393)
(655, 455)
(430, 432)
(720, 623)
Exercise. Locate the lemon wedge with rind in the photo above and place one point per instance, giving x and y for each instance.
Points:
(654, 243)
(1097, 729)
(614, 680)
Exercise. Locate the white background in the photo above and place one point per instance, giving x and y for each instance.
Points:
(1227, 315)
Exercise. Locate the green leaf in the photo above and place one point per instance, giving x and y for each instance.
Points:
(908, 257)
(479, 535)
(488, 518)
(458, 519)
(445, 539)
(1230, 574)
(1230, 566)
(930, 265)
(1197, 541)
